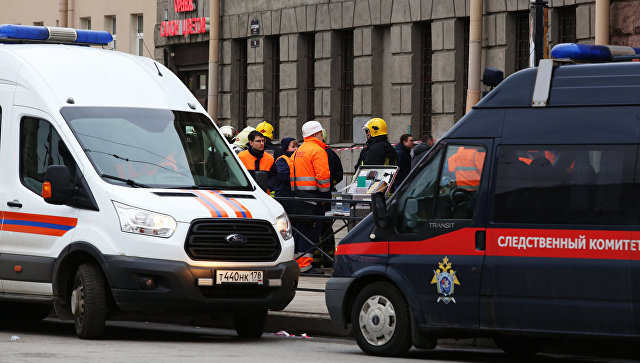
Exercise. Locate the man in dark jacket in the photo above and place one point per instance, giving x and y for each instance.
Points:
(421, 149)
(403, 149)
(284, 165)
(378, 150)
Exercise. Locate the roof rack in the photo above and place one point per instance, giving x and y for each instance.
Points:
(10, 33)
(595, 53)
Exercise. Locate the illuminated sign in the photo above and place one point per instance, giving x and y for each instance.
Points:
(184, 5)
(172, 28)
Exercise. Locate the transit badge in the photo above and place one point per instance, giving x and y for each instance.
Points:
(445, 279)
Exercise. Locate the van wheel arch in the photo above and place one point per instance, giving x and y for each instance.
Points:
(64, 271)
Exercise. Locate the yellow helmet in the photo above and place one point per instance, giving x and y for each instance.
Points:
(265, 129)
(376, 127)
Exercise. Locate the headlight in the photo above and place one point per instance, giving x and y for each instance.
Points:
(283, 224)
(136, 220)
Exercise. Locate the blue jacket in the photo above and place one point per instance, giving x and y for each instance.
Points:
(404, 163)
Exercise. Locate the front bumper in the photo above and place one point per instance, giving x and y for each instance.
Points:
(335, 293)
(175, 287)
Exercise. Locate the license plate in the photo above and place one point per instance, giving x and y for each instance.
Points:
(239, 277)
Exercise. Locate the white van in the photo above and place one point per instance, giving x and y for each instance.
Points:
(119, 195)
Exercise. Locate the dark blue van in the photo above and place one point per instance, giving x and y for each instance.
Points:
(521, 224)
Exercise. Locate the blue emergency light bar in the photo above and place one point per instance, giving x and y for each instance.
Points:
(586, 52)
(17, 33)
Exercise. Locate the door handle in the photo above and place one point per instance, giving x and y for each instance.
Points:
(481, 240)
(15, 203)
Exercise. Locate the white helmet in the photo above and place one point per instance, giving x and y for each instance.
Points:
(311, 127)
(228, 132)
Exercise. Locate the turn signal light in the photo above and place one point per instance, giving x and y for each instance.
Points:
(46, 190)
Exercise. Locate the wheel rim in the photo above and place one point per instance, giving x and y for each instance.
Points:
(77, 308)
(377, 320)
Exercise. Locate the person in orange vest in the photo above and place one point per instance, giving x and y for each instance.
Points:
(310, 178)
(255, 159)
(466, 164)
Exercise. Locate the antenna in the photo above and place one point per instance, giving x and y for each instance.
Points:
(150, 55)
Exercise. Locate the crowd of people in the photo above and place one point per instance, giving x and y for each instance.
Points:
(312, 170)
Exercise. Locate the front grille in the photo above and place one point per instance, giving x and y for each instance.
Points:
(235, 292)
(206, 240)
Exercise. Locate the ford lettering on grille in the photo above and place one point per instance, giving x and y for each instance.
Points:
(236, 239)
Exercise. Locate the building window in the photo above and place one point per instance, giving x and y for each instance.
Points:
(202, 81)
(239, 84)
(566, 24)
(38, 23)
(346, 86)
(309, 41)
(85, 23)
(425, 79)
(522, 40)
(465, 66)
(272, 103)
(139, 35)
(110, 26)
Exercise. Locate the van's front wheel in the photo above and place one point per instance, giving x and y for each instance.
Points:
(88, 301)
(250, 325)
(381, 320)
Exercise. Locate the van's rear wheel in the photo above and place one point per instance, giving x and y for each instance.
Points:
(250, 325)
(381, 320)
(89, 301)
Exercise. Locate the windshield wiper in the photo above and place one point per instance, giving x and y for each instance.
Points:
(126, 181)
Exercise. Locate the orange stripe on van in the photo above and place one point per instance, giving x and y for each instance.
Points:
(224, 200)
(211, 204)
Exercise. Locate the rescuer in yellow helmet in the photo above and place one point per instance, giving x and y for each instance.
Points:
(266, 130)
(378, 150)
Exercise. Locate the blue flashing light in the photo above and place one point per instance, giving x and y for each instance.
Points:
(581, 51)
(54, 35)
(24, 32)
(93, 37)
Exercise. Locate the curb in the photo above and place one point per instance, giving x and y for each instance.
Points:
(298, 323)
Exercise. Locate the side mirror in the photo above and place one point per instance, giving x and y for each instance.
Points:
(379, 209)
(57, 187)
(262, 178)
(492, 76)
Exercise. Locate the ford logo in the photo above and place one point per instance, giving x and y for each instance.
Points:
(236, 239)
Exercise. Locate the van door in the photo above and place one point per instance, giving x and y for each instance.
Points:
(560, 242)
(33, 231)
(439, 236)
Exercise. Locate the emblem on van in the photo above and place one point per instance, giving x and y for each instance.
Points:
(445, 279)
(236, 239)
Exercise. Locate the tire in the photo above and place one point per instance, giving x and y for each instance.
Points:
(250, 325)
(381, 320)
(89, 301)
(519, 346)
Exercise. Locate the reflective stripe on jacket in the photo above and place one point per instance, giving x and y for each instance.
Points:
(467, 164)
(310, 172)
(249, 161)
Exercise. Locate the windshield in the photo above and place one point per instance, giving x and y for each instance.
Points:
(155, 148)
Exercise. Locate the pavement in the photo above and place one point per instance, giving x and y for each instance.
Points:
(307, 313)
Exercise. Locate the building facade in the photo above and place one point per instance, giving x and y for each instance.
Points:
(132, 23)
(342, 62)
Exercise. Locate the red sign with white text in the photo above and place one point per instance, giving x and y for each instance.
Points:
(172, 28)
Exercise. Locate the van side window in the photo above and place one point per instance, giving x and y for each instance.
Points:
(569, 184)
(41, 146)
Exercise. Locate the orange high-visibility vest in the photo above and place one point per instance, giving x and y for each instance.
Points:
(249, 161)
(310, 172)
(467, 164)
